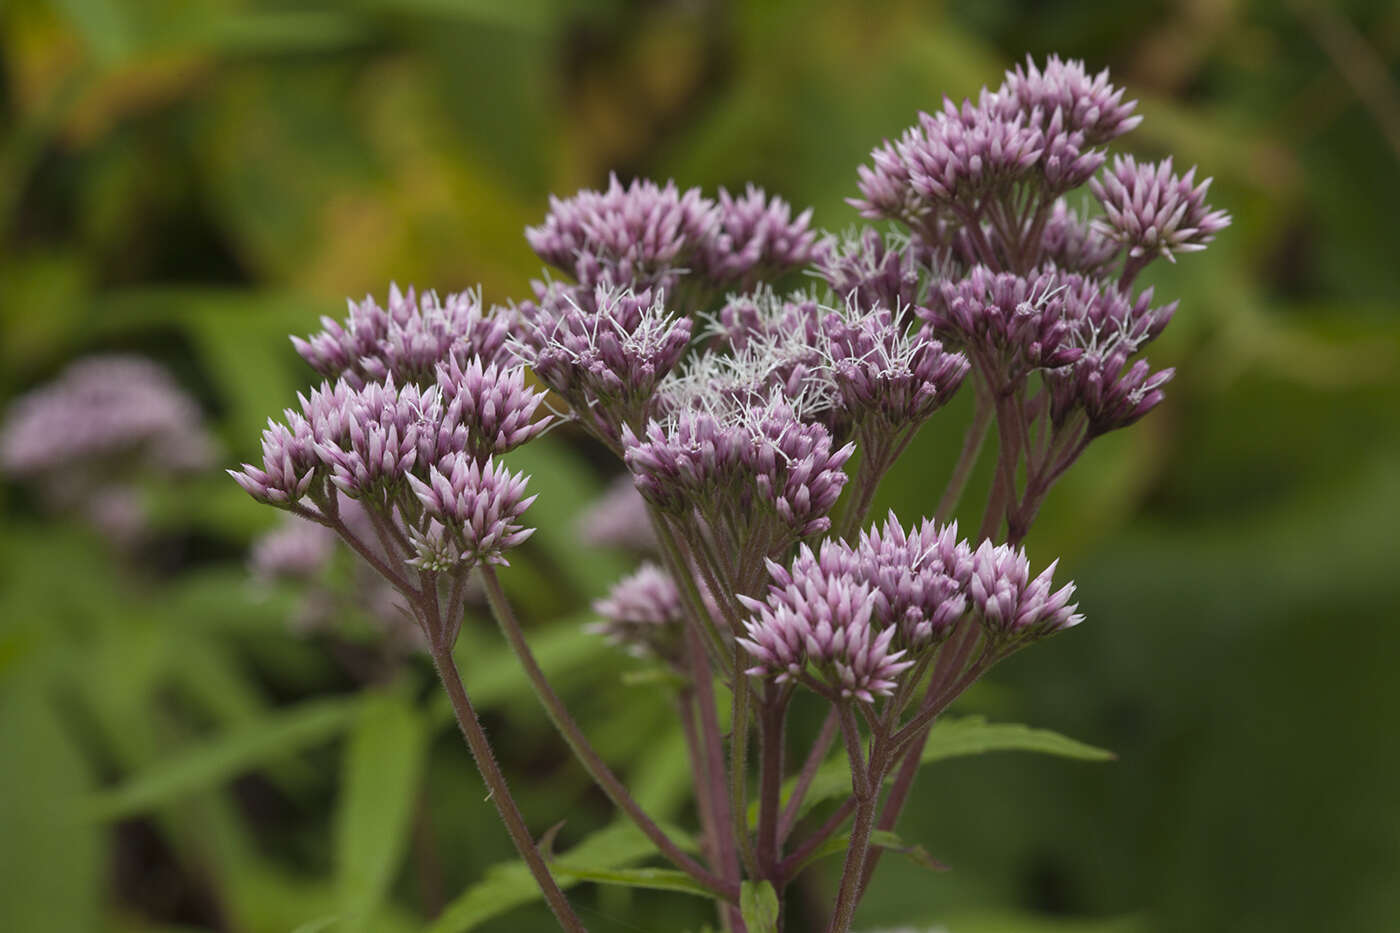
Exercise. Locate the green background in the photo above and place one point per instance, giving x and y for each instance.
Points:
(195, 179)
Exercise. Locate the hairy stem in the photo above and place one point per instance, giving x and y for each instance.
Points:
(865, 785)
(772, 718)
(500, 793)
(592, 762)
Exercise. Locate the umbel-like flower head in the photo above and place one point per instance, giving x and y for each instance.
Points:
(1153, 211)
(882, 370)
(607, 356)
(490, 406)
(407, 340)
(816, 627)
(643, 614)
(919, 578)
(757, 236)
(640, 236)
(1011, 606)
(475, 512)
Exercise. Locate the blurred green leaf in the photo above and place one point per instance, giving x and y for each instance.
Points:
(379, 795)
(758, 903)
(655, 879)
(954, 737)
(224, 757)
(50, 861)
(510, 885)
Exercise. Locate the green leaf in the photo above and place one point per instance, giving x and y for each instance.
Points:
(221, 758)
(973, 735)
(955, 737)
(510, 885)
(758, 903)
(655, 879)
(383, 764)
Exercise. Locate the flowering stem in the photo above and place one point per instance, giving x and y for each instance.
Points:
(739, 765)
(500, 793)
(800, 853)
(771, 721)
(592, 762)
(808, 773)
(680, 571)
(973, 440)
(712, 780)
(865, 787)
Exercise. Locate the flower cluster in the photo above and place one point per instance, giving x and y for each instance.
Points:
(849, 619)
(407, 340)
(646, 236)
(606, 356)
(755, 467)
(409, 434)
(643, 614)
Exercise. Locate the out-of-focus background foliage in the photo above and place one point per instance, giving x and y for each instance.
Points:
(192, 180)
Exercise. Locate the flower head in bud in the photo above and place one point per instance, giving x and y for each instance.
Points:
(405, 341)
(1088, 104)
(289, 462)
(883, 371)
(874, 271)
(606, 358)
(643, 614)
(793, 464)
(680, 464)
(918, 577)
(1109, 328)
(640, 236)
(474, 512)
(1009, 603)
(1155, 212)
(1008, 323)
(490, 404)
(817, 621)
(756, 236)
(961, 153)
(369, 440)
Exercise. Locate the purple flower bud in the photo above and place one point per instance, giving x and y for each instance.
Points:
(961, 153)
(491, 406)
(474, 510)
(289, 463)
(405, 341)
(816, 620)
(680, 465)
(1008, 324)
(1154, 212)
(1009, 603)
(1088, 105)
(607, 360)
(874, 271)
(367, 438)
(1109, 328)
(638, 237)
(883, 371)
(756, 236)
(918, 578)
(793, 466)
(643, 614)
